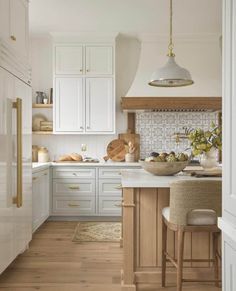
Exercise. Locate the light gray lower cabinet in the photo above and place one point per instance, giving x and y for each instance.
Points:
(85, 191)
(41, 197)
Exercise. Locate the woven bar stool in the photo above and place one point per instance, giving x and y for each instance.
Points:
(194, 207)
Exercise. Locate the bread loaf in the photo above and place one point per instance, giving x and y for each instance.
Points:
(76, 157)
(65, 158)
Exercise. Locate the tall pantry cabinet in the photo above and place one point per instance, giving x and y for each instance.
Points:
(15, 132)
(228, 221)
(84, 98)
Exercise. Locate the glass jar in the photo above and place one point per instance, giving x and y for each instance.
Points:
(43, 155)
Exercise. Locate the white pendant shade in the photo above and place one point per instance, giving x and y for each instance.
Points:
(171, 75)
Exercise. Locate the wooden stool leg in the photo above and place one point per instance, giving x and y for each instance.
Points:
(164, 243)
(215, 257)
(180, 253)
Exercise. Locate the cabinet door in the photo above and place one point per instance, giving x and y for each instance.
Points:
(229, 112)
(19, 26)
(4, 19)
(69, 60)
(99, 105)
(45, 195)
(229, 257)
(99, 60)
(69, 105)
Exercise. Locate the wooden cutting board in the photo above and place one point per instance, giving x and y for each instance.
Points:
(116, 150)
(135, 139)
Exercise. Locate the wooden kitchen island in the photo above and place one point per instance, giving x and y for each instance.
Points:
(144, 197)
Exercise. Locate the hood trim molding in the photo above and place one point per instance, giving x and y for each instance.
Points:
(132, 104)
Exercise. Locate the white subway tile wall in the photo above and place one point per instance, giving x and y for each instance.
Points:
(157, 129)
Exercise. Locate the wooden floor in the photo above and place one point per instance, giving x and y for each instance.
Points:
(54, 263)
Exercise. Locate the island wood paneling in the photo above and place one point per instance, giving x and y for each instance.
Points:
(142, 224)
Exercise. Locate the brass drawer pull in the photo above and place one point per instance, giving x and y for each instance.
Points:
(118, 205)
(45, 174)
(118, 187)
(74, 187)
(35, 178)
(73, 205)
(128, 205)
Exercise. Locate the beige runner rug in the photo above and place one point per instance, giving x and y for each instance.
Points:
(97, 232)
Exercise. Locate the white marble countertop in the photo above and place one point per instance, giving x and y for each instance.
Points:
(39, 166)
(139, 178)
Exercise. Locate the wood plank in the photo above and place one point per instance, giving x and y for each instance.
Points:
(148, 227)
(131, 122)
(172, 103)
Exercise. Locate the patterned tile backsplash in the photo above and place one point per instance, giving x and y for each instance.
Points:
(156, 129)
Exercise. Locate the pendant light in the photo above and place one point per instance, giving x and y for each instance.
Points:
(171, 75)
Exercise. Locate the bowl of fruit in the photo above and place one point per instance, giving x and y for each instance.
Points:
(164, 164)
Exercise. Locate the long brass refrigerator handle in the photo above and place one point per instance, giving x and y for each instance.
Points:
(18, 106)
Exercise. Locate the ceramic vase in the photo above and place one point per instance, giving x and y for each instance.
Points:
(209, 160)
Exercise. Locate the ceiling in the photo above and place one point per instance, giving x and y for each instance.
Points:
(124, 16)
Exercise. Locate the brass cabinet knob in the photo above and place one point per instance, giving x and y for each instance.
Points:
(13, 37)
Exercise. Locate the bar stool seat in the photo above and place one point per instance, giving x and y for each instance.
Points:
(196, 216)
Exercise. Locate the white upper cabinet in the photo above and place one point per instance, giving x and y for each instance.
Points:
(14, 38)
(19, 26)
(99, 60)
(84, 86)
(99, 105)
(69, 60)
(83, 60)
(4, 19)
(69, 105)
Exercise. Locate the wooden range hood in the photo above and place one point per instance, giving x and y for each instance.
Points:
(132, 104)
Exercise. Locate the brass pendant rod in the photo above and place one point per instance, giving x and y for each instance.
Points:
(171, 45)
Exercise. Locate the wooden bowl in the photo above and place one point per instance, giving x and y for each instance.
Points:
(163, 168)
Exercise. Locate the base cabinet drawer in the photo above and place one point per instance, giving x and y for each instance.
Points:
(74, 206)
(109, 173)
(74, 173)
(110, 206)
(62, 187)
(110, 187)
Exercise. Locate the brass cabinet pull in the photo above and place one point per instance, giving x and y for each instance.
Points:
(81, 70)
(118, 187)
(74, 187)
(73, 205)
(45, 174)
(118, 205)
(35, 178)
(74, 174)
(87, 70)
(18, 106)
(13, 37)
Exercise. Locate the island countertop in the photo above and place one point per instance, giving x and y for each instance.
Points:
(139, 178)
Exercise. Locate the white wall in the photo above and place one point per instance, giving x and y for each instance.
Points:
(127, 55)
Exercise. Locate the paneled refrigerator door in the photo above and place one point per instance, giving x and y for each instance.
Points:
(7, 253)
(22, 167)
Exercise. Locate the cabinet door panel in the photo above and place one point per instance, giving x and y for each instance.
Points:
(4, 19)
(69, 103)
(19, 26)
(69, 60)
(99, 105)
(99, 60)
(229, 109)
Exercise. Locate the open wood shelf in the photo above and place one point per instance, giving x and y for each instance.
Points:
(42, 105)
(42, 132)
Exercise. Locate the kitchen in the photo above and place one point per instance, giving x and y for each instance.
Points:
(97, 141)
